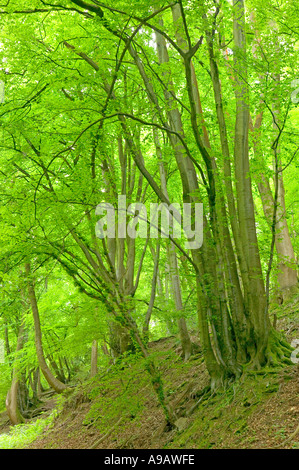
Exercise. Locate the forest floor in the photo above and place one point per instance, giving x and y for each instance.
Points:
(120, 411)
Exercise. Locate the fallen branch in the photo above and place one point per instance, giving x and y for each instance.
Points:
(206, 391)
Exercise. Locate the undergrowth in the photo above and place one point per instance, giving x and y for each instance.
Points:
(23, 434)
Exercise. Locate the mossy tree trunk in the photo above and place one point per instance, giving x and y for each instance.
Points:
(12, 398)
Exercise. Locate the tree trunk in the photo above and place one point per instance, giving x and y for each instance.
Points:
(287, 275)
(94, 359)
(177, 295)
(58, 386)
(6, 337)
(255, 297)
(188, 175)
(40, 388)
(173, 265)
(153, 294)
(33, 381)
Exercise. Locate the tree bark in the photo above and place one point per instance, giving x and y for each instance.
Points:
(255, 297)
(153, 294)
(173, 265)
(287, 276)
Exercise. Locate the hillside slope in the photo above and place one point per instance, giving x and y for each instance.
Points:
(120, 411)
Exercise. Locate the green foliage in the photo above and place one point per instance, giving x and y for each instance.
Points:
(22, 435)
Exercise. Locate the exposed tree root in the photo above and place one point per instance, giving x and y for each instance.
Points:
(278, 351)
(290, 438)
(108, 433)
(276, 354)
